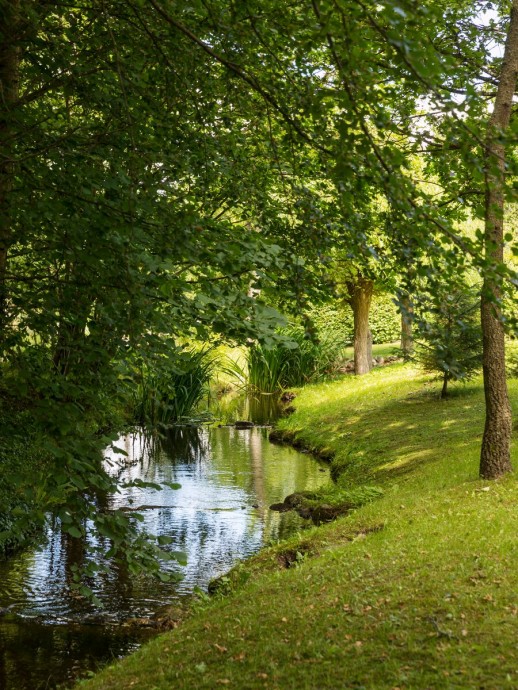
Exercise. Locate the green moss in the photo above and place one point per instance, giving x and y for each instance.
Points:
(415, 590)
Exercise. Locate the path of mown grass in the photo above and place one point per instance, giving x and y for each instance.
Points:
(417, 589)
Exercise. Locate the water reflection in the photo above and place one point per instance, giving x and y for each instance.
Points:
(260, 408)
(228, 479)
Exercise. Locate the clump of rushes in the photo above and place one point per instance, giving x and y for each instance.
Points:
(170, 390)
(293, 362)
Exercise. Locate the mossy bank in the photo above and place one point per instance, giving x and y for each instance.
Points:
(415, 589)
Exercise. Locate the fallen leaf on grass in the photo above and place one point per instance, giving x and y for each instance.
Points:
(220, 648)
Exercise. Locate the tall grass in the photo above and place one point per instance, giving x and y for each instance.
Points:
(170, 391)
(291, 364)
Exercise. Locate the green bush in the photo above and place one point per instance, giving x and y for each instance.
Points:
(512, 362)
(22, 461)
(385, 320)
(337, 321)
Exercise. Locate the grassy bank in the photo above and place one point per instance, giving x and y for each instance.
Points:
(416, 589)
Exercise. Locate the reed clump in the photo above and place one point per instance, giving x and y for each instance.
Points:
(171, 389)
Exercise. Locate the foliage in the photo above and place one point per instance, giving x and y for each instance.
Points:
(337, 321)
(168, 389)
(292, 363)
(118, 214)
(22, 465)
(156, 169)
(384, 320)
(450, 341)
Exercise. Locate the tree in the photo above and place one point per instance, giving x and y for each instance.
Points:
(495, 458)
(407, 320)
(359, 296)
(367, 71)
(9, 78)
(129, 217)
(450, 339)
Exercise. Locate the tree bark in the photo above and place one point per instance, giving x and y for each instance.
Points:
(444, 390)
(407, 314)
(495, 457)
(9, 78)
(360, 297)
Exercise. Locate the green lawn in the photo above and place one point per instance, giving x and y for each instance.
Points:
(415, 590)
(378, 350)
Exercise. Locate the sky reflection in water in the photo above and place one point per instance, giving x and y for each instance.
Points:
(228, 478)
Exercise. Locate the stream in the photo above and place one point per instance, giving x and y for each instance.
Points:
(49, 636)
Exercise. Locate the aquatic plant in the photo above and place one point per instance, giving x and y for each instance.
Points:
(294, 362)
(170, 389)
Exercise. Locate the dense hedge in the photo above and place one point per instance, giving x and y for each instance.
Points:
(337, 321)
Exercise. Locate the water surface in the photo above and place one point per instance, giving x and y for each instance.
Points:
(228, 479)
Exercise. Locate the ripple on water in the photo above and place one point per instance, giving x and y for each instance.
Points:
(220, 514)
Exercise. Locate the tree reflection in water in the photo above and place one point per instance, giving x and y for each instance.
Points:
(228, 479)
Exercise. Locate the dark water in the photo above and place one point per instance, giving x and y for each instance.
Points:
(220, 514)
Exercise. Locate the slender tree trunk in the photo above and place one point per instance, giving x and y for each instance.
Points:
(407, 318)
(444, 391)
(495, 457)
(360, 297)
(9, 76)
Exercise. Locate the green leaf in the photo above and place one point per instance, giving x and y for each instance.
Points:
(180, 557)
(172, 485)
(164, 540)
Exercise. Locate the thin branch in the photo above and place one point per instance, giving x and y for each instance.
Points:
(239, 71)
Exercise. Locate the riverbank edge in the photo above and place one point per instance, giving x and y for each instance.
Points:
(362, 532)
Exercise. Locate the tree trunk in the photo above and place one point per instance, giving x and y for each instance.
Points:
(360, 297)
(407, 318)
(495, 457)
(9, 75)
(444, 391)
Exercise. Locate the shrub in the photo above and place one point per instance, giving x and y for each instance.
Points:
(512, 364)
(385, 320)
(450, 340)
